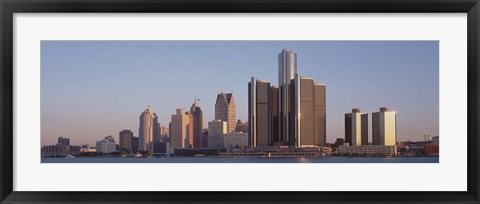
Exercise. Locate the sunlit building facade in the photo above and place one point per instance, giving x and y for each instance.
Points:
(225, 110)
(149, 129)
(356, 128)
(384, 128)
(180, 129)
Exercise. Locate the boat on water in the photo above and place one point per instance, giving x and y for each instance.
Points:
(69, 156)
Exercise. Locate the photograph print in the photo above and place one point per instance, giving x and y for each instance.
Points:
(239, 101)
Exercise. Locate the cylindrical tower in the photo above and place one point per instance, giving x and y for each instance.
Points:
(287, 68)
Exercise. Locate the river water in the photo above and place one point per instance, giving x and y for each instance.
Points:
(246, 160)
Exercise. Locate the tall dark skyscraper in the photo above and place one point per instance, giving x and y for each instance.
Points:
(348, 128)
(287, 69)
(312, 115)
(126, 139)
(294, 113)
(197, 124)
(275, 117)
(260, 110)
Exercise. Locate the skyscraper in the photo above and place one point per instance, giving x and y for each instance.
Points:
(348, 128)
(225, 110)
(320, 93)
(310, 111)
(149, 129)
(179, 129)
(384, 130)
(259, 112)
(216, 132)
(126, 139)
(189, 136)
(294, 113)
(356, 125)
(287, 69)
(197, 124)
(275, 117)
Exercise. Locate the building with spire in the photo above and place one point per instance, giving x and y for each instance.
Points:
(149, 129)
(197, 124)
(225, 110)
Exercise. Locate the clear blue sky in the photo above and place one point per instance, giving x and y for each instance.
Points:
(91, 89)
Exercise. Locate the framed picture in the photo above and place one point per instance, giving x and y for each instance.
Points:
(235, 101)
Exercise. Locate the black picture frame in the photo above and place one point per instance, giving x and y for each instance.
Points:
(9, 7)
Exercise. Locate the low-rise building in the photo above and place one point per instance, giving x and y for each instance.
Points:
(162, 148)
(236, 139)
(106, 145)
(369, 150)
(60, 150)
(87, 148)
(431, 150)
(435, 140)
(216, 131)
(190, 152)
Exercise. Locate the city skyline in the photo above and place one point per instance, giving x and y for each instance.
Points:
(419, 58)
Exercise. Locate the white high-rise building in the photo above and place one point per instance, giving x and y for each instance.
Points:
(384, 129)
(149, 129)
(216, 131)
